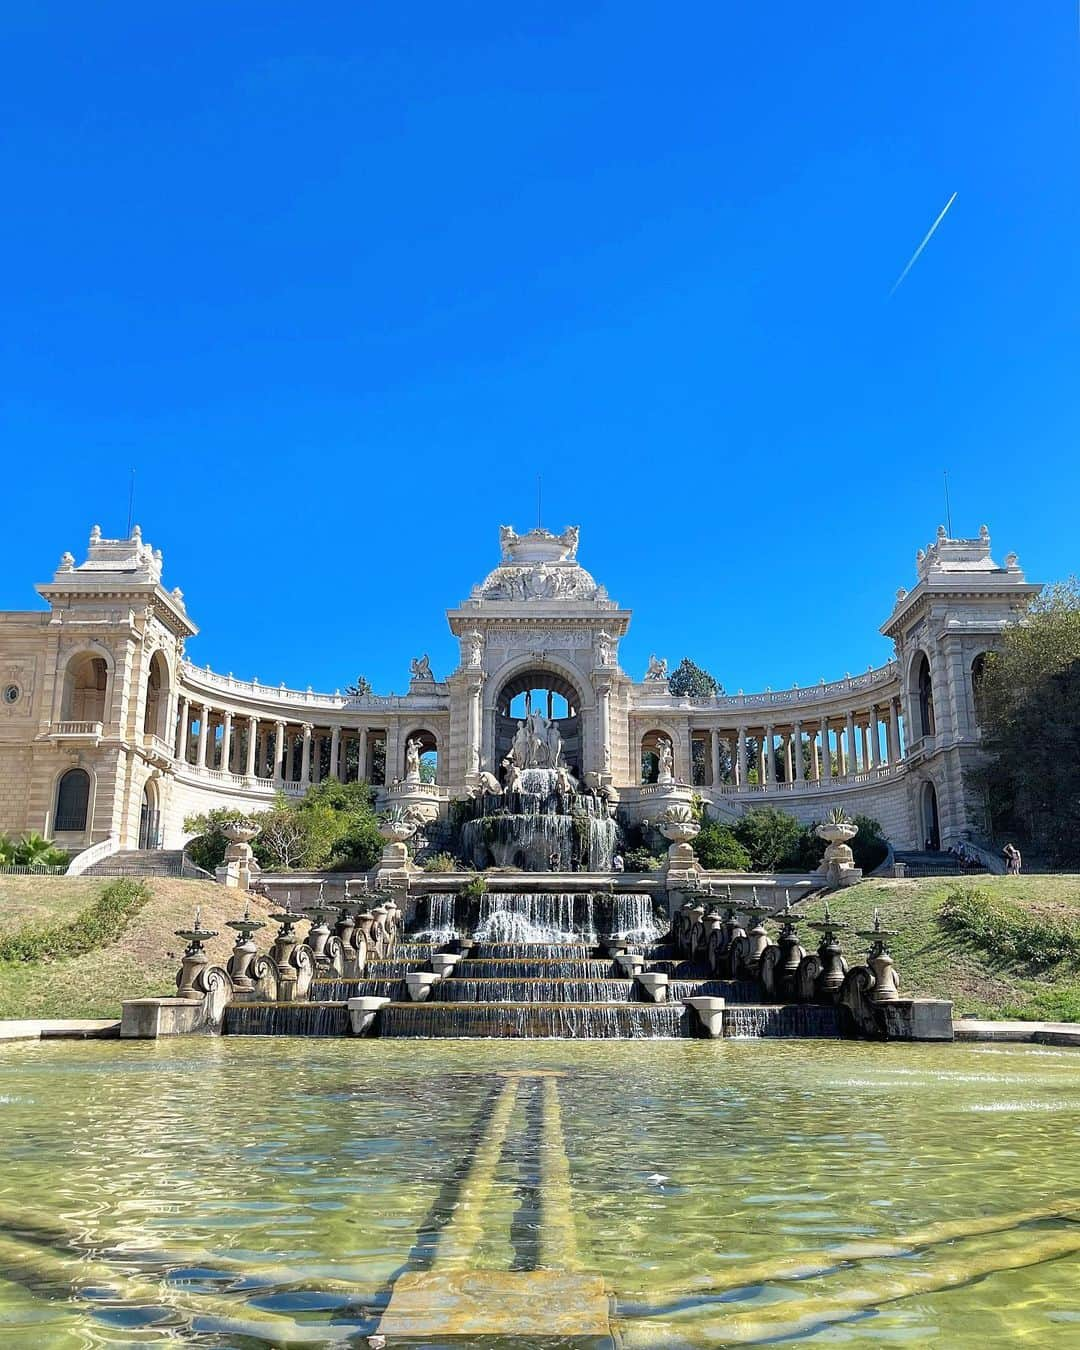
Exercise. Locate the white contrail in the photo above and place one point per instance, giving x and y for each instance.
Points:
(929, 235)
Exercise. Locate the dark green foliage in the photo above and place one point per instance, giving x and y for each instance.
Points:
(333, 827)
(640, 859)
(362, 686)
(689, 681)
(32, 850)
(1028, 700)
(868, 846)
(718, 849)
(102, 923)
(1007, 930)
(772, 838)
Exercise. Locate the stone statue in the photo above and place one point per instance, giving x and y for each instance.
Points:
(657, 668)
(412, 760)
(472, 648)
(514, 781)
(519, 751)
(553, 745)
(563, 784)
(666, 760)
(604, 648)
(489, 784)
(420, 668)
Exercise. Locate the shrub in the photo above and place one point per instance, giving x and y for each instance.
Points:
(441, 862)
(207, 849)
(718, 849)
(868, 846)
(772, 838)
(1007, 930)
(475, 887)
(641, 859)
(97, 926)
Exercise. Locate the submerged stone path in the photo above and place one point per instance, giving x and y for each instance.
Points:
(556, 1298)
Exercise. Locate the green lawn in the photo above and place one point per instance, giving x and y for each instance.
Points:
(936, 962)
(143, 962)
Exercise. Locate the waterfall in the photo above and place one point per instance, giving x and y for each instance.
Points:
(548, 968)
(787, 1019)
(540, 829)
(441, 921)
(633, 919)
(731, 991)
(571, 1021)
(325, 991)
(286, 1019)
(546, 917)
(527, 989)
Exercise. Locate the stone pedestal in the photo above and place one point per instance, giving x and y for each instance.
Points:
(710, 1012)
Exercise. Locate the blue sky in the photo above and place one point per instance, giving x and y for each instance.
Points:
(341, 280)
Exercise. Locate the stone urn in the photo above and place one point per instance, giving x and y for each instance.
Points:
(239, 866)
(395, 827)
(678, 826)
(838, 865)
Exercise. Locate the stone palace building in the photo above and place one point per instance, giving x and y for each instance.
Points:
(110, 737)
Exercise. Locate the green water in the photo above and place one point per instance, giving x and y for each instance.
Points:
(240, 1192)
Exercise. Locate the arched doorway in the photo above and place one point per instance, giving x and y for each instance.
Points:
(650, 754)
(537, 715)
(72, 802)
(428, 746)
(931, 831)
(978, 693)
(924, 689)
(150, 818)
(157, 697)
(86, 681)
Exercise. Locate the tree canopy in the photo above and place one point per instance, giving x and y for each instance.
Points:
(690, 680)
(1028, 701)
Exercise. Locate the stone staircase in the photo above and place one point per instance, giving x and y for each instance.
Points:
(144, 862)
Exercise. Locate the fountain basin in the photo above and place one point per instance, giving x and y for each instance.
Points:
(420, 983)
(363, 1011)
(654, 985)
(710, 1011)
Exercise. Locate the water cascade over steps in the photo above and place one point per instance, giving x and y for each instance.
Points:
(534, 964)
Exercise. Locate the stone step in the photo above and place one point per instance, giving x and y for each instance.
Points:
(139, 863)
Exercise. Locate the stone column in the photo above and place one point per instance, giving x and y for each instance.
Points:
(715, 757)
(472, 743)
(894, 733)
(279, 752)
(305, 755)
(787, 756)
(740, 760)
(182, 730)
(226, 742)
(260, 763)
(824, 770)
(362, 768)
(335, 753)
(798, 753)
(603, 710)
(252, 743)
(768, 768)
(873, 755)
(204, 734)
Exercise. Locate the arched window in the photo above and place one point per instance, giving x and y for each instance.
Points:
(925, 686)
(428, 748)
(157, 697)
(72, 801)
(86, 680)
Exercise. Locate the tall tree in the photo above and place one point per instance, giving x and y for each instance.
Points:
(689, 680)
(1028, 700)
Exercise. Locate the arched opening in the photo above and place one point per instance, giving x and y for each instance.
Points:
(150, 818)
(537, 721)
(157, 697)
(86, 681)
(72, 802)
(424, 745)
(924, 687)
(652, 744)
(931, 828)
(978, 692)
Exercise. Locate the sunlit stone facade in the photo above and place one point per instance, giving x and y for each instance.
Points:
(110, 737)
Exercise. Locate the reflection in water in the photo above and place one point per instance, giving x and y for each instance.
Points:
(250, 1192)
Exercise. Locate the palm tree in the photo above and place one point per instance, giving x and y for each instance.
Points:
(34, 850)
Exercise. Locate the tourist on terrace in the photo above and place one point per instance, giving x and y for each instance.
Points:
(1012, 860)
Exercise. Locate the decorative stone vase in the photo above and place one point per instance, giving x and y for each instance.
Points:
(678, 826)
(838, 865)
(239, 866)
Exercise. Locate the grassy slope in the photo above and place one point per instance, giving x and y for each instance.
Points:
(143, 962)
(931, 960)
(935, 963)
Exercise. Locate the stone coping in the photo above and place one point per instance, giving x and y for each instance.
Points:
(1030, 1033)
(58, 1028)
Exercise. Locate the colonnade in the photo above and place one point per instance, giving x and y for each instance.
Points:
(810, 750)
(274, 749)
